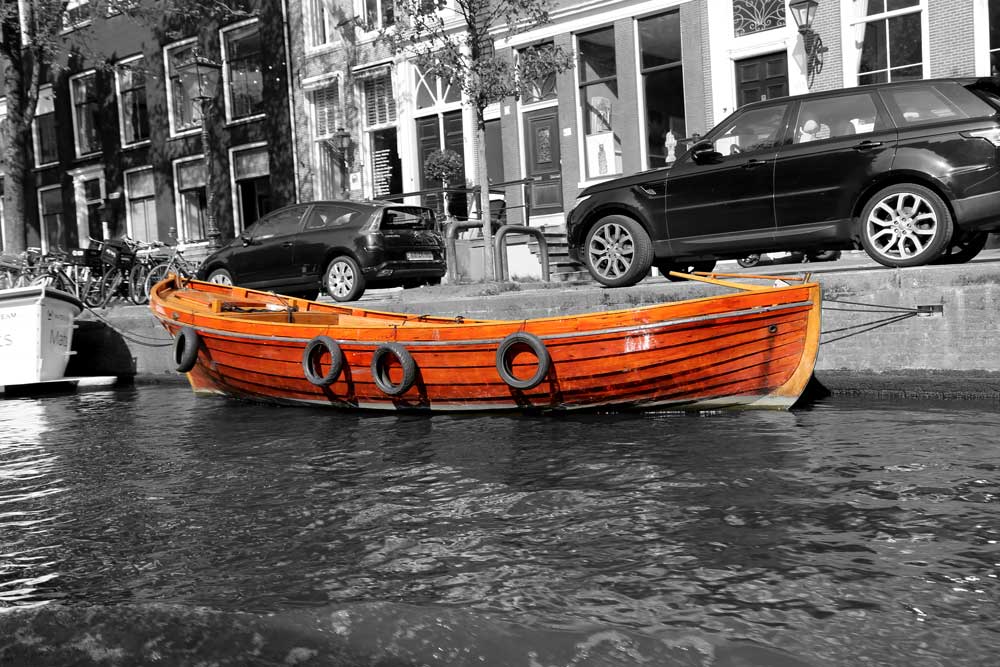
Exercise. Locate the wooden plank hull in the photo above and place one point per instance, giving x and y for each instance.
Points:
(753, 348)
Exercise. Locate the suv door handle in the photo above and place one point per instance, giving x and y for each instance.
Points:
(754, 163)
(867, 145)
(288, 244)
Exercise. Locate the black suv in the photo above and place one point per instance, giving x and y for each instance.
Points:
(909, 171)
(342, 246)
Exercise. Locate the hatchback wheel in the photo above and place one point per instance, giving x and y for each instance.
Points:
(343, 279)
(618, 251)
(220, 277)
(906, 225)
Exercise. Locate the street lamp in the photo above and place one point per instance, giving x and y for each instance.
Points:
(342, 142)
(803, 12)
(200, 79)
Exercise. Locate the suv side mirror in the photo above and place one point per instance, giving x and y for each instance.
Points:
(704, 152)
(246, 239)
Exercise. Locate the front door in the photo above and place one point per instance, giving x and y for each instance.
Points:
(761, 78)
(542, 158)
(725, 200)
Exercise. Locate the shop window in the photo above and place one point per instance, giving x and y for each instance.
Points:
(185, 113)
(245, 87)
(131, 79)
(597, 70)
(890, 35)
(662, 86)
(44, 129)
(140, 191)
(192, 201)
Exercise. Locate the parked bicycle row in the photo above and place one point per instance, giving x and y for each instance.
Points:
(111, 269)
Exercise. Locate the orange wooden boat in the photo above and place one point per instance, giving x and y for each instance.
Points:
(752, 347)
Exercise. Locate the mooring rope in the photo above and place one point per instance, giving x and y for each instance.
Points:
(903, 313)
(135, 338)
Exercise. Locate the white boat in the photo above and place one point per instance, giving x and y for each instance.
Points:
(36, 337)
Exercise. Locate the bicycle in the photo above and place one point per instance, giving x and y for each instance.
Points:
(176, 264)
(147, 255)
(64, 273)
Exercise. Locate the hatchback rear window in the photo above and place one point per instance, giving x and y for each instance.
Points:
(407, 217)
(928, 104)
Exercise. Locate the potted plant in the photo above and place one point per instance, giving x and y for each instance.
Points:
(444, 166)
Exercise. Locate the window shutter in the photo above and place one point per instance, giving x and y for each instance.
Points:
(380, 107)
(325, 102)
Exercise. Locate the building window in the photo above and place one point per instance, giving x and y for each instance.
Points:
(380, 130)
(662, 86)
(537, 88)
(325, 110)
(192, 200)
(76, 14)
(994, 37)
(890, 38)
(320, 26)
(750, 16)
(245, 88)
(89, 193)
(185, 113)
(44, 126)
(131, 81)
(379, 14)
(50, 208)
(252, 181)
(597, 69)
(86, 113)
(140, 193)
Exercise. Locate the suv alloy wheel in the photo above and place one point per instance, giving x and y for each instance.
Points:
(618, 251)
(906, 225)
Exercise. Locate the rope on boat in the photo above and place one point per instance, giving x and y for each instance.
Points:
(901, 313)
(133, 337)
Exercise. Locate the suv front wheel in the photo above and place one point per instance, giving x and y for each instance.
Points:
(906, 225)
(618, 251)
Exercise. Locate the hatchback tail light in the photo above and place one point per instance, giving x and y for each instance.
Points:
(991, 135)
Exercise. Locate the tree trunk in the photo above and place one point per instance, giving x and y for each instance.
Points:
(17, 134)
(484, 199)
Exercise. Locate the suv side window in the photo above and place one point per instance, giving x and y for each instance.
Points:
(914, 105)
(280, 223)
(835, 117)
(756, 129)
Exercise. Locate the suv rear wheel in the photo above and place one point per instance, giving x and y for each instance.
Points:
(964, 247)
(618, 251)
(343, 279)
(906, 225)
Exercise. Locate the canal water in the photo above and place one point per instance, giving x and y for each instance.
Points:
(150, 526)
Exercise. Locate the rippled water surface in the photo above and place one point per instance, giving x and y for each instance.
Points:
(849, 532)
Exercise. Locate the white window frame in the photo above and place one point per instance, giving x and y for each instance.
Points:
(238, 226)
(128, 196)
(121, 105)
(310, 20)
(81, 176)
(77, 148)
(851, 25)
(45, 90)
(179, 229)
(226, 83)
(68, 27)
(316, 139)
(172, 124)
(42, 231)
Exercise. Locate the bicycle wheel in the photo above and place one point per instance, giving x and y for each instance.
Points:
(112, 281)
(155, 275)
(137, 283)
(91, 289)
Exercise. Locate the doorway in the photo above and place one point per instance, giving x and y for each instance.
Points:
(542, 161)
(761, 78)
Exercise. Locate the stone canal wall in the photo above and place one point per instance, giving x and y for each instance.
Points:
(872, 342)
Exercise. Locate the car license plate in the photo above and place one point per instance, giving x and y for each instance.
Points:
(420, 256)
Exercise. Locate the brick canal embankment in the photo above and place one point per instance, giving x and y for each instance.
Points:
(951, 354)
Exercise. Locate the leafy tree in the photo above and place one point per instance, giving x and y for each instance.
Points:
(454, 40)
(34, 45)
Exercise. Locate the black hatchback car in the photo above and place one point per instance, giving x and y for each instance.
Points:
(341, 246)
(909, 171)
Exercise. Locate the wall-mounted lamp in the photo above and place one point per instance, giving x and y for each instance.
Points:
(804, 11)
(342, 144)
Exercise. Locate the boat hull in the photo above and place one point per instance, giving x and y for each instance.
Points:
(750, 349)
(36, 333)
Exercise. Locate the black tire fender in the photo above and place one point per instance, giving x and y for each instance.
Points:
(380, 373)
(186, 346)
(505, 367)
(310, 358)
